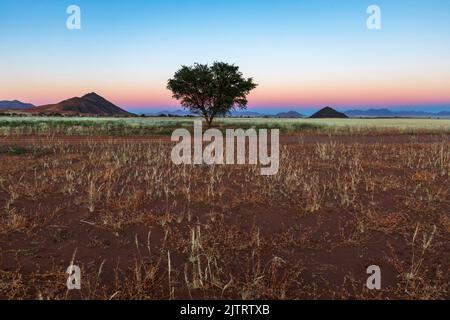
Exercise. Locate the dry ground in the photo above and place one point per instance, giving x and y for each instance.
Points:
(142, 228)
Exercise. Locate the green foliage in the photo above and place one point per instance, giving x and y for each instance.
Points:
(211, 91)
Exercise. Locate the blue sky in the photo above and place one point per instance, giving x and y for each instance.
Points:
(304, 54)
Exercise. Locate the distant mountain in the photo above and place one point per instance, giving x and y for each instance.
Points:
(328, 112)
(386, 113)
(246, 114)
(183, 113)
(15, 105)
(90, 104)
(176, 113)
(289, 114)
(369, 113)
(234, 114)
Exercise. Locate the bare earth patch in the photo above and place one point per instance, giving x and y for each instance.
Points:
(142, 228)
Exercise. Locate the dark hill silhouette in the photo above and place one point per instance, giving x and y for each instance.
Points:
(90, 104)
(386, 113)
(328, 112)
(15, 105)
(289, 114)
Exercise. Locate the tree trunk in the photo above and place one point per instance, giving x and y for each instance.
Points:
(209, 121)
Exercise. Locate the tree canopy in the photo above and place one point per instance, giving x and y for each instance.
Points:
(211, 91)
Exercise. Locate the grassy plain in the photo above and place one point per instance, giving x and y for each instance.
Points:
(165, 125)
(103, 194)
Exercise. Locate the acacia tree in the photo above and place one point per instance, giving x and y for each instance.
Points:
(211, 91)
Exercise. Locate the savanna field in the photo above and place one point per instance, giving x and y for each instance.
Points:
(104, 194)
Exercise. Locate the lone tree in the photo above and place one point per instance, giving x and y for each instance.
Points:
(211, 91)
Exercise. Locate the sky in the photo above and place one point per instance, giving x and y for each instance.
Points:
(304, 54)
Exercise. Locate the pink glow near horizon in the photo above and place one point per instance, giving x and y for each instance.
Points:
(301, 53)
(263, 97)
